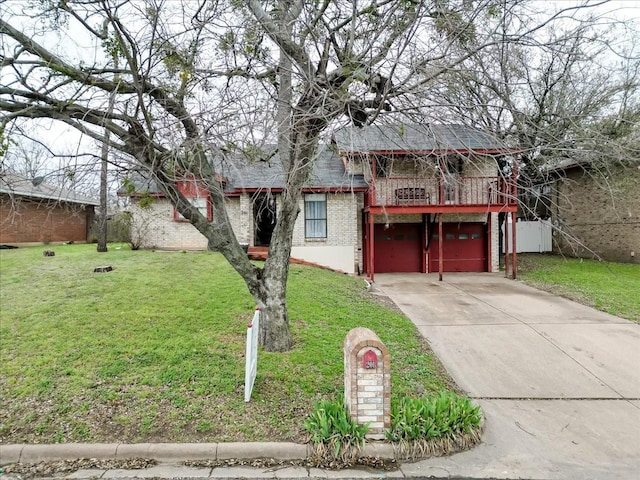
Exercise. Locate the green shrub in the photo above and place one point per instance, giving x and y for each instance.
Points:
(445, 415)
(335, 436)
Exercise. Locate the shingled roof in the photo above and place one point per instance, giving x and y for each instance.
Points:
(328, 172)
(427, 138)
(266, 172)
(17, 185)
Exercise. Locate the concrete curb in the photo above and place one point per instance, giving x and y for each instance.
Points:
(171, 452)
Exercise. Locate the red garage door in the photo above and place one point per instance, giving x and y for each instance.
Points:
(398, 248)
(464, 248)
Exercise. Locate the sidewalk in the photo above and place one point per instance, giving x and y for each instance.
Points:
(170, 460)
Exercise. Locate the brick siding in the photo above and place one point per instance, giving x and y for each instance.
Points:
(156, 225)
(155, 228)
(597, 214)
(24, 220)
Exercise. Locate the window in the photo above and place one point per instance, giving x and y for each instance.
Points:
(453, 169)
(315, 215)
(201, 203)
(382, 166)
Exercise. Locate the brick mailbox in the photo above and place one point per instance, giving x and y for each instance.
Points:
(367, 381)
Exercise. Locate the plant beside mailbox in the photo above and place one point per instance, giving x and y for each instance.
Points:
(417, 427)
(337, 439)
(431, 426)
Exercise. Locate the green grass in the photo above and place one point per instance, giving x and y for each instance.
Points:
(610, 287)
(154, 350)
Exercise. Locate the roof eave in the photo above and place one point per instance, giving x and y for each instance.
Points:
(433, 152)
(43, 196)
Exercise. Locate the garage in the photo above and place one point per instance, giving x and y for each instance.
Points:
(398, 247)
(464, 248)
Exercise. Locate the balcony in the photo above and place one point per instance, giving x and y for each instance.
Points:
(480, 192)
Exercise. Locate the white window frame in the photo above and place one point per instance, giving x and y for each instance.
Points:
(201, 203)
(315, 225)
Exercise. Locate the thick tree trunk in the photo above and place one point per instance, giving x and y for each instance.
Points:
(275, 334)
(102, 222)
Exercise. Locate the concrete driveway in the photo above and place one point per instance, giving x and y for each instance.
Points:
(559, 382)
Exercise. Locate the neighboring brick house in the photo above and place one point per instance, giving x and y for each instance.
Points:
(596, 211)
(42, 213)
(378, 200)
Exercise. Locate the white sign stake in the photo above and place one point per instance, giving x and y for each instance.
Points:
(251, 357)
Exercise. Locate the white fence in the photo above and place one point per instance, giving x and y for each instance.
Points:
(531, 236)
(251, 357)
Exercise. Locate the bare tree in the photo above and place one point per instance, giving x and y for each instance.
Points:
(36, 161)
(568, 95)
(29, 159)
(200, 79)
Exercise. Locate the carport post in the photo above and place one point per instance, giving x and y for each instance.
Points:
(506, 245)
(440, 259)
(371, 243)
(513, 243)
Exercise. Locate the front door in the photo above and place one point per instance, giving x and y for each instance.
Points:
(264, 218)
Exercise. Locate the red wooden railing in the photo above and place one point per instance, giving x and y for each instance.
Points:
(413, 191)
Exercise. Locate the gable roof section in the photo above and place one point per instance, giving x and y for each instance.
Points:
(424, 139)
(328, 173)
(585, 163)
(242, 174)
(17, 185)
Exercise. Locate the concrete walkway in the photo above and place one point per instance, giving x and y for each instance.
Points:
(559, 382)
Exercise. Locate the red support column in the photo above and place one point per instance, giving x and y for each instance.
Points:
(514, 266)
(371, 248)
(489, 239)
(423, 239)
(440, 248)
(365, 241)
(505, 236)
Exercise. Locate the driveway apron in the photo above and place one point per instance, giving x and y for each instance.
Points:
(559, 382)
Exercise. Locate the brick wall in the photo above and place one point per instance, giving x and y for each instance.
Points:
(344, 224)
(155, 228)
(155, 224)
(343, 217)
(495, 243)
(597, 214)
(24, 220)
(239, 211)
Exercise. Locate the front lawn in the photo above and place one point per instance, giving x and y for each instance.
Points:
(610, 287)
(153, 351)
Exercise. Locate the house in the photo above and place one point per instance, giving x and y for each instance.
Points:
(327, 231)
(595, 210)
(433, 198)
(380, 199)
(34, 212)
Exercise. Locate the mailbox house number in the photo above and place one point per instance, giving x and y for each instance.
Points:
(370, 360)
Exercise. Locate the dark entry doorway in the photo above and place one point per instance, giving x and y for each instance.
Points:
(264, 218)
